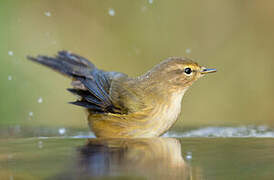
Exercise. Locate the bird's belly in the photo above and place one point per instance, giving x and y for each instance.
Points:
(142, 124)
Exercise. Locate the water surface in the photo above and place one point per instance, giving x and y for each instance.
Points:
(156, 158)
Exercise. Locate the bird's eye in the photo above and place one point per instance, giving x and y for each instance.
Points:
(188, 71)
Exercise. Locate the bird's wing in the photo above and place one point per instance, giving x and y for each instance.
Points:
(91, 84)
(127, 96)
(99, 91)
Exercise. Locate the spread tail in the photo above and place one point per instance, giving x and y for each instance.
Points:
(90, 83)
(66, 63)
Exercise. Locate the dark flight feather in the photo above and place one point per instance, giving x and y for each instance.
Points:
(97, 82)
(87, 105)
(85, 95)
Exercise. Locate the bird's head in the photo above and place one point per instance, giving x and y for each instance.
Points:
(178, 73)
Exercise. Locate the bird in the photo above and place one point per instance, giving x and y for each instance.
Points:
(120, 106)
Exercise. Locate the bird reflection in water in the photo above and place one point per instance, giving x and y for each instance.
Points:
(153, 158)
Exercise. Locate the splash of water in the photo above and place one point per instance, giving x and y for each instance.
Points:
(111, 12)
(10, 53)
(40, 100)
(47, 13)
(226, 132)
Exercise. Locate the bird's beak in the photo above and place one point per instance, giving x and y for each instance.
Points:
(206, 71)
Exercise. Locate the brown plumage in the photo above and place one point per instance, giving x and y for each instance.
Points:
(120, 106)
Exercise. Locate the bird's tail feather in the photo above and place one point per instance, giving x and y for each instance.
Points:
(66, 63)
(90, 83)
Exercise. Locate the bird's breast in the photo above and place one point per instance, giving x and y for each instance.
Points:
(166, 114)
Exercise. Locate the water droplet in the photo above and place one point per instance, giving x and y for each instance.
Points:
(47, 13)
(10, 53)
(40, 100)
(111, 12)
(150, 1)
(188, 155)
(188, 50)
(62, 131)
(40, 144)
(9, 77)
(31, 114)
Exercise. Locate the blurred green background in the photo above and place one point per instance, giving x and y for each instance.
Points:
(236, 37)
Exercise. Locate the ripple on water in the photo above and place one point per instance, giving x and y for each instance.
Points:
(241, 131)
